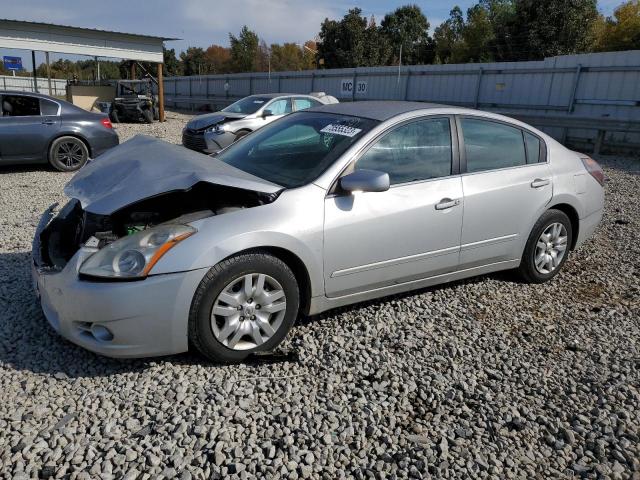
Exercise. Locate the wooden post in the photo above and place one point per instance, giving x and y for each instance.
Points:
(160, 94)
(35, 75)
(599, 142)
(46, 56)
(133, 70)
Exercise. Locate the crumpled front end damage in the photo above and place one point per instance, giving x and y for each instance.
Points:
(127, 318)
(73, 227)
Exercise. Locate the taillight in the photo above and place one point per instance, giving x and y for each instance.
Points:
(106, 122)
(594, 169)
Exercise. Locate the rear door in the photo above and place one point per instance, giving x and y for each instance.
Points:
(507, 184)
(27, 126)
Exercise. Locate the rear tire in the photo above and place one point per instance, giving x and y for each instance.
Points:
(245, 304)
(114, 116)
(68, 154)
(547, 247)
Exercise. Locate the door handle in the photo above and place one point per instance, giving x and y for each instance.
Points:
(540, 182)
(48, 122)
(447, 203)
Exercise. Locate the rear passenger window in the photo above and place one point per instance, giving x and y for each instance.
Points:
(491, 145)
(47, 107)
(304, 103)
(415, 151)
(532, 144)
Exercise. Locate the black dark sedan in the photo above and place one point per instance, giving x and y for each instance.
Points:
(37, 128)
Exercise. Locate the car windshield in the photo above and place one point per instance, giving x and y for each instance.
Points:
(247, 105)
(295, 150)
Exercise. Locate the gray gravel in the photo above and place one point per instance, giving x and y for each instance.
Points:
(481, 378)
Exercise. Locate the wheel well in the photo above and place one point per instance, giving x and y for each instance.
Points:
(83, 140)
(297, 267)
(570, 212)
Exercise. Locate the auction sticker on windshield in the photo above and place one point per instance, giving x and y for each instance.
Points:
(344, 130)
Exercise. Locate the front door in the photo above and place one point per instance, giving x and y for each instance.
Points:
(412, 231)
(278, 108)
(507, 186)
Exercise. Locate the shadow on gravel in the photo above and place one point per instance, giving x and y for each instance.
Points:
(37, 167)
(27, 342)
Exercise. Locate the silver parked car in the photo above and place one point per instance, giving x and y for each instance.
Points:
(36, 128)
(161, 247)
(212, 132)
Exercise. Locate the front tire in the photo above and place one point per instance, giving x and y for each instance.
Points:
(240, 134)
(547, 247)
(68, 154)
(245, 304)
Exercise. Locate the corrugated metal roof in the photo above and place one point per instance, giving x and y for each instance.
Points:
(155, 37)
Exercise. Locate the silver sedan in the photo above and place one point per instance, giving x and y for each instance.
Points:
(161, 247)
(211, 132)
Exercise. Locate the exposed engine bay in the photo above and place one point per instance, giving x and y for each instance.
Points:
(73, 226)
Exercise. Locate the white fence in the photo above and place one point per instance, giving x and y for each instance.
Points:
(587, 87)
(26, 84)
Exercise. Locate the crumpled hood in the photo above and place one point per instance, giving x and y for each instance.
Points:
(144, 167)
(208, 119)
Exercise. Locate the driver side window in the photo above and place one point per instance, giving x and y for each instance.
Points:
(415, 151)
(280, 107)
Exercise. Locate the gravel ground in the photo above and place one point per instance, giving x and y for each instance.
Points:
(482, 378)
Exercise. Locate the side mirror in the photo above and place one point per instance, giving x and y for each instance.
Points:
(365, 181)
(267, 113)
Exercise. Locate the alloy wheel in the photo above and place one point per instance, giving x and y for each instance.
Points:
(69, 154)
(550, 248)
(248, 311)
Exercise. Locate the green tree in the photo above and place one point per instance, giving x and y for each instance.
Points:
(544, 28)
(408, 27)
(448, 37)
(351, 42)
(172, 65)
(621, 31)
(244, 50)
(477, 35)
(194, 62)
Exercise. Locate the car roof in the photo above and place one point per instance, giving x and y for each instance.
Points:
(274, 95)
(32, 94)
(375, 109)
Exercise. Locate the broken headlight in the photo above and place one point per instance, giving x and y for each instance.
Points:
(135, 255)
(219, 128)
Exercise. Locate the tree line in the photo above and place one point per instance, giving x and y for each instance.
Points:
(491, 30)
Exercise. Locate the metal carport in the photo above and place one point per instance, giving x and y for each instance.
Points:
(23, 35)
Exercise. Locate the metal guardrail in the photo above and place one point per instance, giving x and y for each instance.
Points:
(601, 125)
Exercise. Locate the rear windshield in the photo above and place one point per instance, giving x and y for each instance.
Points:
(296, 149)
(247, 105)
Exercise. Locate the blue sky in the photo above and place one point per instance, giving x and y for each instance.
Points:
(203, 22)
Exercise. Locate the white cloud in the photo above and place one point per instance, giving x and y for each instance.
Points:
(272, 20)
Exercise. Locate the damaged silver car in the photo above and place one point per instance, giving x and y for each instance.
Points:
(211, 132)
(161, 248)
